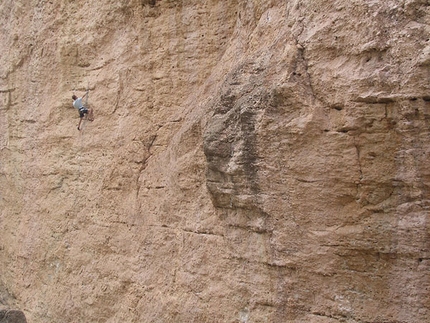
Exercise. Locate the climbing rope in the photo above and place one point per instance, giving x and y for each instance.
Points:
(88, 94)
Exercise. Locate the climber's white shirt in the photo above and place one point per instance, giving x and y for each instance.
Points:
(78, 103)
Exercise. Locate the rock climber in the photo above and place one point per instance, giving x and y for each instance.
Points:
(77, 103)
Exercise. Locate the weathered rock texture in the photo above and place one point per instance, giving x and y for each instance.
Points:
(12, 316)
(250, 161)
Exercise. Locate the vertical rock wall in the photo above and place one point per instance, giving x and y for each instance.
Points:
(249, 161)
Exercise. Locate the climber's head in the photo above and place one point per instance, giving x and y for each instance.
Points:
(74, 97)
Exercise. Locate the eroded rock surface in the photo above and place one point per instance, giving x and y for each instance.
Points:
(249, 161)
(12, 316)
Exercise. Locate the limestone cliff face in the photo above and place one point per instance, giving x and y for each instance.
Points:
(250, 161)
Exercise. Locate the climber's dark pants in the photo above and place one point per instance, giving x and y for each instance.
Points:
(82, 112)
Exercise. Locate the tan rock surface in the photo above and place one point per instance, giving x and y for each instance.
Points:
(249, 161)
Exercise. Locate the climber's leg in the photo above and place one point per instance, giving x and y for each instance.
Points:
(90, 115)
